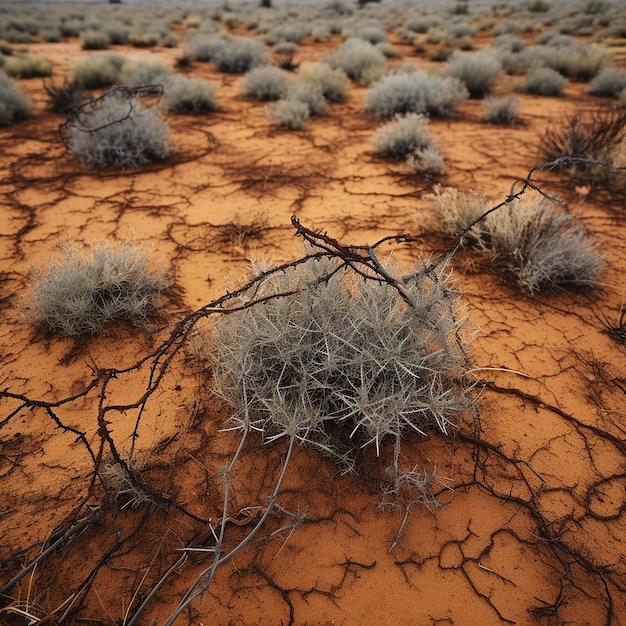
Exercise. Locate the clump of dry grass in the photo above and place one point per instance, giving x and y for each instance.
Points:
(538, 246)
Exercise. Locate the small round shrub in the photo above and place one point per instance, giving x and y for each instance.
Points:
(289, 114)
(346, 363)
(145, 72)
(238, 55)
(544, 81)
(14, 105)
(188, 95)
(429, 161)
(501, 110)
(333, 82)
(28, 66)
(479, 71)
(609, 82)
(79, 295)
(94, 40)
(117, 131)
(202, 47)
(360, 60)
(264, 83)
(403, 136)
(415, 92)
(98, 70)
(310, 94)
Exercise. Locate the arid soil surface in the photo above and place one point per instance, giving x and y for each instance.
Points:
(529, 527)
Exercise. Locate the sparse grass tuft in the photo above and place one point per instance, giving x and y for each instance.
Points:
(79, 295)
(540, 247)
(98, 70)
(63, 97)
(94, 40)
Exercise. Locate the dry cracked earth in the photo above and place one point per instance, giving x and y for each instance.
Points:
(529, 527)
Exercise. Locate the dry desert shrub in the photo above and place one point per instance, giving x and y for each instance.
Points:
(237, 55)
(407, 137)
(138, 73)
(117, 131)
(501, 110)
(479, 71)
(609, 82)
(290, 114)
(79, 295)
(543, 81)
(98, 70)
(415, 92)
(540, 247)
(14, 104)
(309, 93)
(94, 40)
(333, 82)
(344, 363)
(264, 83)
(188, 95)
(360, 60)
(284, 54)
(28, 66)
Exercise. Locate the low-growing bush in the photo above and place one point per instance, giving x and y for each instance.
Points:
(14, 105)
(188, 95)
(479, 71)
(360, 60)
(117, 131)
(540, 247)
(27, 66)
(290, 114)
(543, 81)
(345, 364)
(202, 47)
(403, 136)
(144, 72)
(427, 161)
(264, 83)
(98, 70)
(238, 55)
(79, 295)
(609, 82)
(416, 92)
(333, 82)
(94, 40)
(501, 110)
(310, 94)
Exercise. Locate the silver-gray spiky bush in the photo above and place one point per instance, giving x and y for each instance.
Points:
(14, 104)
(415, 92)
(117, 131)
(345, 363)
(79, 295)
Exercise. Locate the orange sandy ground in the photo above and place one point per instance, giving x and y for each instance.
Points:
(531, 526)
